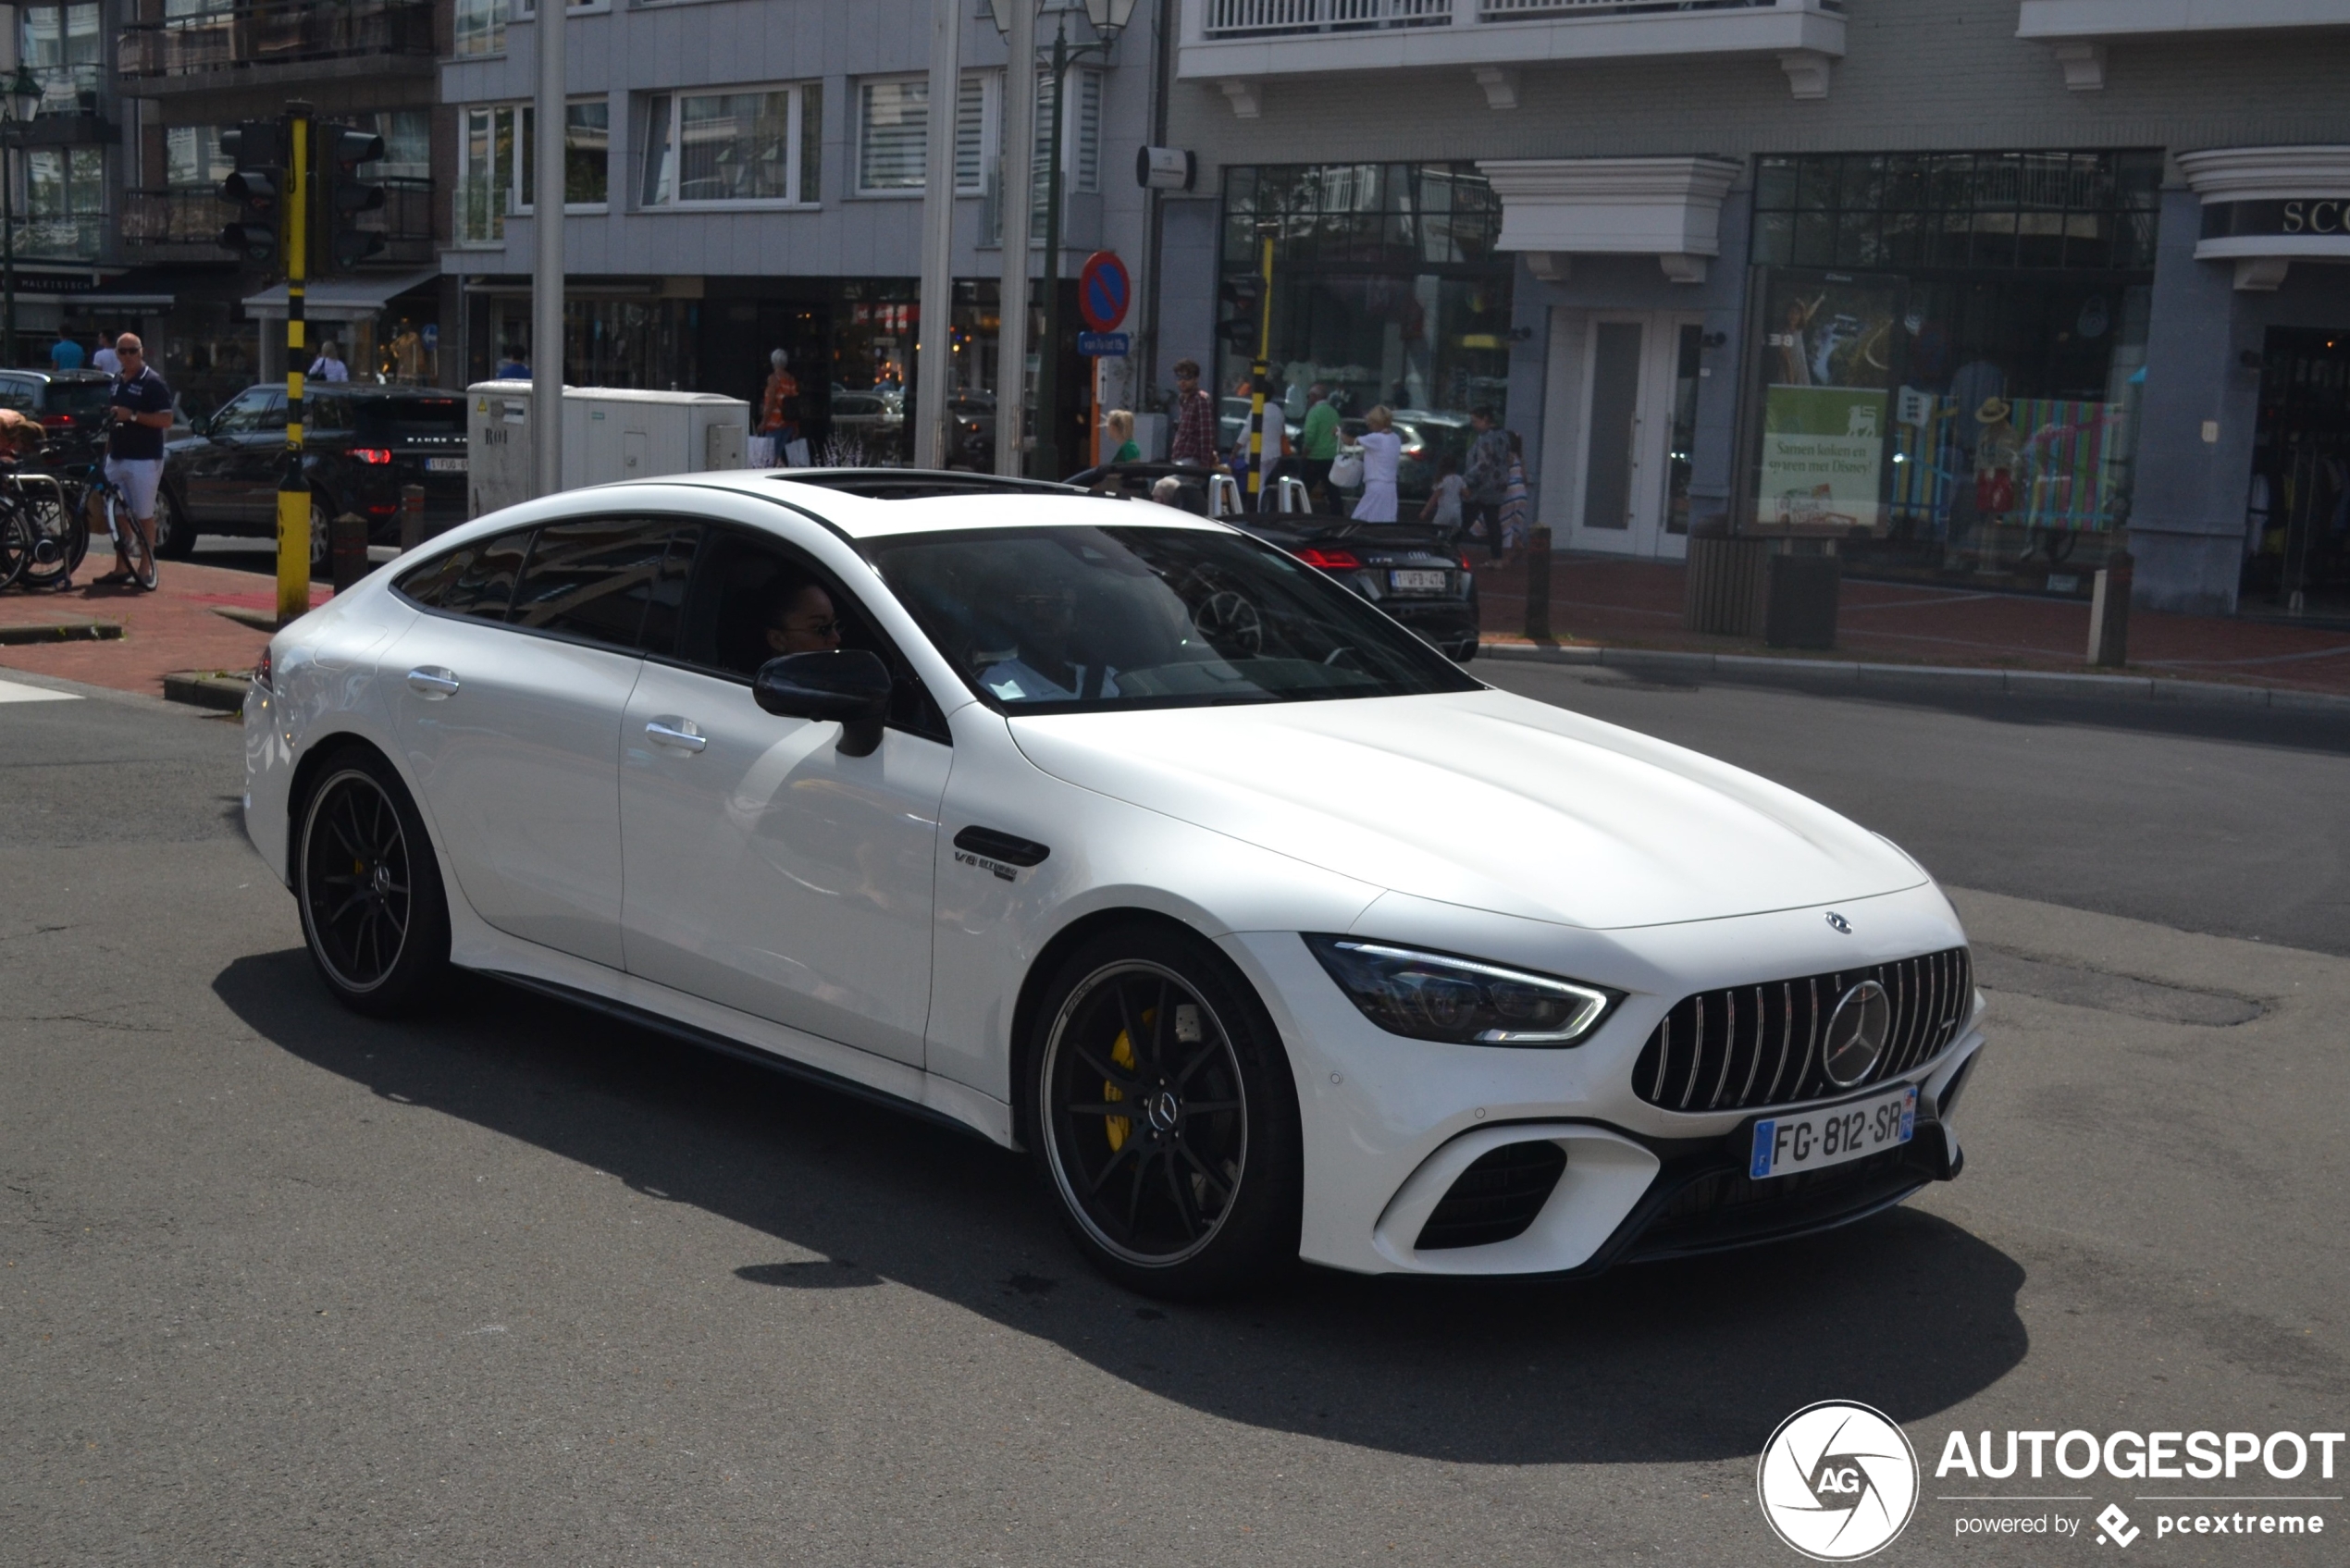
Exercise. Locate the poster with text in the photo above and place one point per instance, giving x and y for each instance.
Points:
(1831, 351)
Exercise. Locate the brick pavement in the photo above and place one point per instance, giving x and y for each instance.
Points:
(173, 628)
(1637, 604)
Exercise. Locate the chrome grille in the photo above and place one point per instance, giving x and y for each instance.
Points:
(1748, 1046)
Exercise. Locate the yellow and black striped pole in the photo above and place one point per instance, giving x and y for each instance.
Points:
(1258, 370)
(294, 492)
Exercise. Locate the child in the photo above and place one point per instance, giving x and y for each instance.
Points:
(1444, 506)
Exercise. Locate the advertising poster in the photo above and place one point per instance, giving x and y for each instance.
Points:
(1830, 348)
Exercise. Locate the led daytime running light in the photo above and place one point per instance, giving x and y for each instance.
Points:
(1463, 1001)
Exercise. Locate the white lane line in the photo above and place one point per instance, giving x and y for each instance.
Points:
(11, 691)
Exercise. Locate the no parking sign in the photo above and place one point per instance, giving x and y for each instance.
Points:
(1103, 291)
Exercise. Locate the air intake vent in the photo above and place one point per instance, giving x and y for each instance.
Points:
(1752, 1045)
(1496, 1198)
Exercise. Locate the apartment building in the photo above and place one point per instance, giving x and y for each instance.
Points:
(1976, 290)
(747, 175)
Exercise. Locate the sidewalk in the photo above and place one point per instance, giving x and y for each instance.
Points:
(173, 628)
(1637, 604)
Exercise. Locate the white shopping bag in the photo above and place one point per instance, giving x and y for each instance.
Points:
(796, 454)
(761, 451)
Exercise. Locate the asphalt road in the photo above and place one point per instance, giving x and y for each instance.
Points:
(518, 1285)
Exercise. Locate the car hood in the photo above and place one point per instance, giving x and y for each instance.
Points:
(1480, 799)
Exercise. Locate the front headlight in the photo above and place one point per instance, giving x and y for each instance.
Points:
(1460, 1001)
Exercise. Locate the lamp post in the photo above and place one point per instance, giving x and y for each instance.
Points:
(23, 98)
(1109, 18)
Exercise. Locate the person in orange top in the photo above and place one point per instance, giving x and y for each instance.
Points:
(779, 405)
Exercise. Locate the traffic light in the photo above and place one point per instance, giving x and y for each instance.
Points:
(257, 187)
(1242, 295)
(343, 150)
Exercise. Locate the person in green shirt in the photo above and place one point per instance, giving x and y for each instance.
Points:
(1120, 425)
(1317, 445)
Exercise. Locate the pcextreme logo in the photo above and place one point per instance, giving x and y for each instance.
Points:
(1837, 1481)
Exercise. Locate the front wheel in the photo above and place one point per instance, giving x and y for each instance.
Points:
(175, 535)
(1163, 1117)
(136, 550)
(369, 890)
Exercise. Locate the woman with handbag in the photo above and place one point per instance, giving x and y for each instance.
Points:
(1382, 455)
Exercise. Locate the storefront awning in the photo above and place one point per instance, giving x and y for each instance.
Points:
(2265, 208)
(340, 299)
(1670, 208)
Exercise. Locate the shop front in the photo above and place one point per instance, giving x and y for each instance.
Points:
(1387, 288)
(1947, 358)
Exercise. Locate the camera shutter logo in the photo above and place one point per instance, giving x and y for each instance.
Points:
(1837, 1481)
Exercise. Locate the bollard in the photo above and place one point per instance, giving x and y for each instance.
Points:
(347, 543)
(2109, 613)
(1538, 585)
(411, 517)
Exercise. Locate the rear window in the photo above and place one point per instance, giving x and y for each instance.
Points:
(596, 580)
(476, 579)
(389, 421)
(77, 398)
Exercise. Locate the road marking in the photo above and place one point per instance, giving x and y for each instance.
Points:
(10, 691)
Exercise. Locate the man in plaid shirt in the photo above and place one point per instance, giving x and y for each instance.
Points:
(1195, 440)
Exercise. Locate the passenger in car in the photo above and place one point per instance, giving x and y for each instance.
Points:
(801, 618)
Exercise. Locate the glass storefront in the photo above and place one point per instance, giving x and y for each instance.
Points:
(1948, 357)
(1385, 290)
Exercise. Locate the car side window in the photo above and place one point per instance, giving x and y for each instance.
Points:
(475, 580)
(243, 414)
(749, 599)
(595, 579)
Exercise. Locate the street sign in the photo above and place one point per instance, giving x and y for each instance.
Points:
(1104, 345)
(1103, 291)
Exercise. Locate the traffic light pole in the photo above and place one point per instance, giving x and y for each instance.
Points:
(293, 490)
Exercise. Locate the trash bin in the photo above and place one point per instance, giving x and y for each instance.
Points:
(1802, 600)
(1724, 593)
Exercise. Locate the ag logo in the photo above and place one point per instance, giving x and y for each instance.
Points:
(1837, 1481)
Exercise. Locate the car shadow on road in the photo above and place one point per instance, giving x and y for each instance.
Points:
(1687, 1360)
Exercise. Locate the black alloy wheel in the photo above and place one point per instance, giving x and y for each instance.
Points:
(369, 888)
(1168, 1127)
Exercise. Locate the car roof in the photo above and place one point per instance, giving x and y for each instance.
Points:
(68, 376)
(875, 503)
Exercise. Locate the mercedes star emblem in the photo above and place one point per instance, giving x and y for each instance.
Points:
(1856, 1033)
(1842, 926)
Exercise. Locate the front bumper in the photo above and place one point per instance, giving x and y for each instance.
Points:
(1390, 1124)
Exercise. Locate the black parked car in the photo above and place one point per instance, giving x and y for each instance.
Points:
(1413, 571)
(359, 445)
(68, 404)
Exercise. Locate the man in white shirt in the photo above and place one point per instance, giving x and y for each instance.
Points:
(105, 359)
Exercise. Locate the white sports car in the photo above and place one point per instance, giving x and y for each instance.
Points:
(1115, 834)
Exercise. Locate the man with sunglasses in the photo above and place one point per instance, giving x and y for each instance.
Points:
(141, 414)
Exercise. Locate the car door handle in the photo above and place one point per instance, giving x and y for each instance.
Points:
(432, 683)
(682, 736)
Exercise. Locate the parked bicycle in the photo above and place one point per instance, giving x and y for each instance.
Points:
(43, 534)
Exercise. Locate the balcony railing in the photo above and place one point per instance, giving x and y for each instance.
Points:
(274, 33)
(1258, 19)
(194, 216)
(81, 237)
(405, 220)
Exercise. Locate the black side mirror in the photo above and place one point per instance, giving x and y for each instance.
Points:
(851, 685)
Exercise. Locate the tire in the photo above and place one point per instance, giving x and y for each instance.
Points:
(378, 932)
(321, 543)
(175, 535)
(1198, 1194)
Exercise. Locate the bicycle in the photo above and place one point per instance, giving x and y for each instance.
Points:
(103, 499)
(42, 538)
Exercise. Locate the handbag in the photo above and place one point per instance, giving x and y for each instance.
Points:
(1346, 469)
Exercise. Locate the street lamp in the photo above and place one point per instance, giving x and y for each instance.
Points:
(23, 96)
(1109, 18)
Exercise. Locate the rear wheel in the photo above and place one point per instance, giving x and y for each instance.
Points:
(1163, 1116)
(60, 537)
(368, 886)
(175, 535)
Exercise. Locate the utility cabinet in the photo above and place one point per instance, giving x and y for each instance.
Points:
(610, 432)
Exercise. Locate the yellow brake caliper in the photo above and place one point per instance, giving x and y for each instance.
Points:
(1121, 1051)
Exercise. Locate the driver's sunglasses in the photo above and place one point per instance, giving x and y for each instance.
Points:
(828, 627)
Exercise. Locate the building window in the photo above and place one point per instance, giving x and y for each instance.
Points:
(407, 135)
(481, 27)
(586, 154)
(762, 144)
(485, 174)
(893, 121)
(63, 47)
(66, 182)
(193, 159)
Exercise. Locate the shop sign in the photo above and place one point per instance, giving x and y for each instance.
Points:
(2297, 216)
(1822, 454)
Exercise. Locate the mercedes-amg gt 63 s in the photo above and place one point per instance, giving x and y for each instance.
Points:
(1123, 838)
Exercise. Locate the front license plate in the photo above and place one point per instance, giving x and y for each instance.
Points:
(444, 465)
(1417, 582)
(1814, 1139)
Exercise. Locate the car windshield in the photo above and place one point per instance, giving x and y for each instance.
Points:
(1086, 619)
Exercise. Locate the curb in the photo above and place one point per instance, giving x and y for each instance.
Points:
(1829, 674)
(62, 630)
(259, 620)
(207, 688)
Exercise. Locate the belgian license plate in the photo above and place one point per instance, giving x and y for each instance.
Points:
(1811, 1140)
(1417, 582)
(444, 465)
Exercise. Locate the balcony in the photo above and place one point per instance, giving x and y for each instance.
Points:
(2120, 18)
(272, 43)
(81, 238)
(1240, 42)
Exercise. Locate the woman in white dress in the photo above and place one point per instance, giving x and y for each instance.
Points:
(1382, 452)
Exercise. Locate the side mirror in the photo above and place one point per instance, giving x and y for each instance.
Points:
(851, 685)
